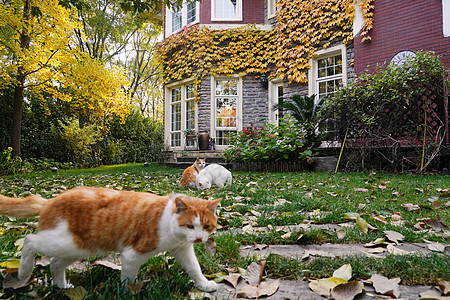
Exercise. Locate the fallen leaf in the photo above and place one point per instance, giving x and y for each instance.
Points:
(346, 291)
(436, 247)
(344, 272)
(43, 261)
(233, 279)
(248, 229)
(106, 264)
(351, 216)
(11, 280)
(341, 233)
(396, 251)
(11, 264)
(324, 286)
(432, 293)
(361, 190)
(410, 206)
(385, 286)
(379, 219)
(77, 293)
(260, 246)
(286, 235)
(444, 286)
(254, 272)
(394, 236)
(435, 224)
(362, 225)
(263, 290)
(19, 244)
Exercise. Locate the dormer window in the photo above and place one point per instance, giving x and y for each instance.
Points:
(176, 19)
(226, 10)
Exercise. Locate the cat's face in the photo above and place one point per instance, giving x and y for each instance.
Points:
(203, 183)
(195, 218)
(200, 163)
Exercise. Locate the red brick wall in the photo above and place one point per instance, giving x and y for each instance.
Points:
(252, 13)
(402, 25)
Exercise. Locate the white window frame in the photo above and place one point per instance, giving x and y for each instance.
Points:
(238, 12)
(168, 113)
(312, 74)
(271, 8)
(170, 12)
(214, 126)
(273, 100)
(446, 17)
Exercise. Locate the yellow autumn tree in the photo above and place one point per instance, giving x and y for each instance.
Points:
(38, 51)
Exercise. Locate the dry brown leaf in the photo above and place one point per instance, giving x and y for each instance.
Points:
(11, 281)
(385, 286)
(260, 246)
(362, 225)
(361, 190)
(254, 273)
(233, 279)
(210, 245)
(435, 224)
(436, 247)
(43, 261)
(106, 264)
(394, 236)
(265, 289)
(341, 233)
(324, 286)
(136, 287)
(394, 250)
(379, 219)
(410, 206)
(347, 291)
(444, 286)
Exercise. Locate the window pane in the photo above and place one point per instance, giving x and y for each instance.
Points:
(191, 12)
(190, 91)
(175, 139)
(226, 112)
(226, 9)
(176, 20)
(223, 137)
(176, 117)
(190, 114)
(226, 87)
(176, 95)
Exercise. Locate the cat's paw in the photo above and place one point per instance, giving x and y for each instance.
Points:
(207, 286)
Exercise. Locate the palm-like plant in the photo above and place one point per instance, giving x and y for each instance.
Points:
(304, 109)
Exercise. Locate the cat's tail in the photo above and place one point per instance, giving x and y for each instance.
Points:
(22, 208)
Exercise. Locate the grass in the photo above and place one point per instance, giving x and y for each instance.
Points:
(258, 199)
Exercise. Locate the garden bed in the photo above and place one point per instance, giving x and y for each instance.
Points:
(281, 166)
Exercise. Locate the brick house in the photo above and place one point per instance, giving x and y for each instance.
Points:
(220, 103)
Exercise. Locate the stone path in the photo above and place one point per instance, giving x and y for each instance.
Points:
(292, 289)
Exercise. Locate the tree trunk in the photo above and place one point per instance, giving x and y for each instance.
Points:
(19, 89)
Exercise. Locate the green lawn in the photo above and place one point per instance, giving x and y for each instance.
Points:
(254, 200)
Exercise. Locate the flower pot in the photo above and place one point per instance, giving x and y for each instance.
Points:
(203, 140)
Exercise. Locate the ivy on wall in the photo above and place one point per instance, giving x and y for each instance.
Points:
(303, 27)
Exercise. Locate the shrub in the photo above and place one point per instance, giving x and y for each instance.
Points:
(9, 164)
(392, 108)
(270, 143)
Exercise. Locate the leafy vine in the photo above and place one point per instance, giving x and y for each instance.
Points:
(302, 28)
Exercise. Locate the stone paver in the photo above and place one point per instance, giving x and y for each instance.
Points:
(294, 289)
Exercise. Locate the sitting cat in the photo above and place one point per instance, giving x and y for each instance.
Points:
(86, 221)
(190, 173)
(213, 174)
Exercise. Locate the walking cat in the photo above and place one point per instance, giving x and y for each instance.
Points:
(87, 221)
(213, 174)
(190, 173)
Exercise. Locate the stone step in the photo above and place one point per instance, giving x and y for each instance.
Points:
(184, 165)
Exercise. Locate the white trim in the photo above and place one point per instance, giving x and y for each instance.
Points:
(238, 12)
(271, 8)
(340, 49)
(234, 26)
(358, 20)
(168, 112)
(273, 100)
(168, 21)
(446, 17)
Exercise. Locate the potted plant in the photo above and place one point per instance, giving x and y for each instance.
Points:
(190, 134)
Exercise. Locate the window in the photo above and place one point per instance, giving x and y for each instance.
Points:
(182, 114)
(446, 17)
(226, 100)
(177, 18)
(226, 10)
(271, 8)
(276, 96)
(328, 73)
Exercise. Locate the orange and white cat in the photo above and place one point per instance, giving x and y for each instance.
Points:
(189, 176)
(87, 221)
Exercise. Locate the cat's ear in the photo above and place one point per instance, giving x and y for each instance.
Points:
(213, 204)
(180, 205)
